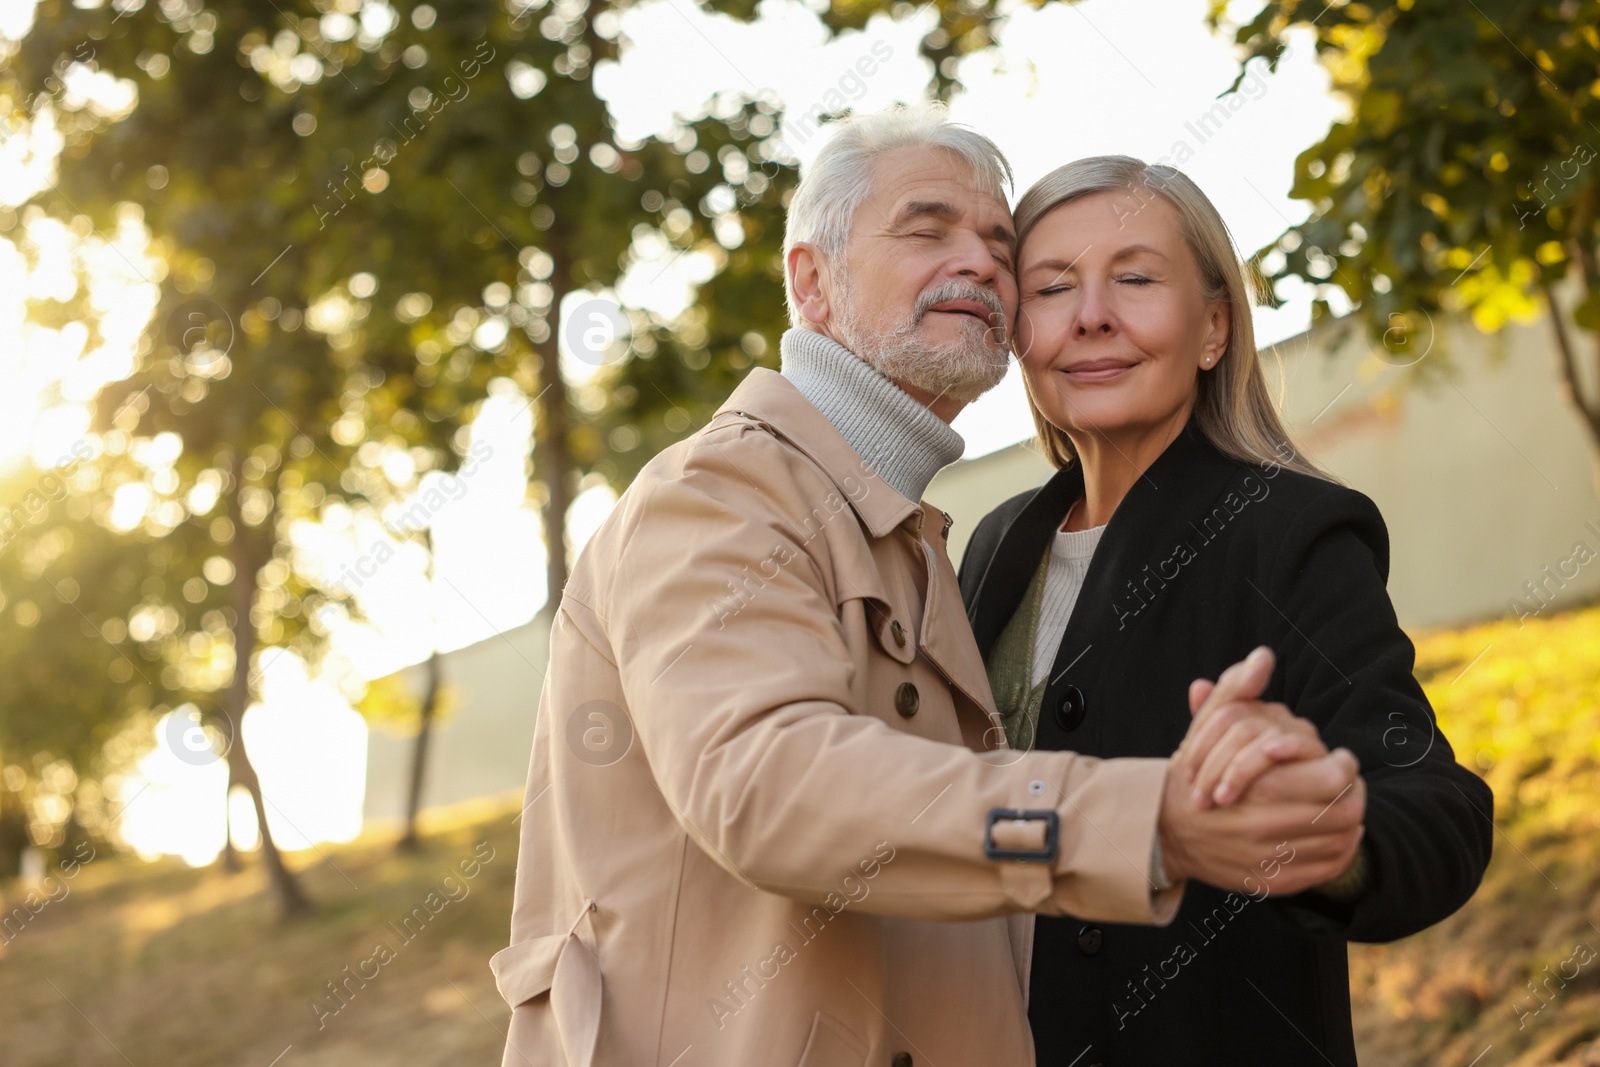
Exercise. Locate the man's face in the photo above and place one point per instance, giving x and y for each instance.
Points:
(927, 289)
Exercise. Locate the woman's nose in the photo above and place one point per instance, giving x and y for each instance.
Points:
(1094, 311)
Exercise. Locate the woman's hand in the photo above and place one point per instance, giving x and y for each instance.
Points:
(1235, 738)
(1300, 796)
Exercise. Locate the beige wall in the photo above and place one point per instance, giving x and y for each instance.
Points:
(1479, 465)
(483, 748)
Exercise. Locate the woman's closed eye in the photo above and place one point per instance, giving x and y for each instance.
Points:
(1126, 279)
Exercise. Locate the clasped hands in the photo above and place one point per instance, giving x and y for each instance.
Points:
(1253, 799)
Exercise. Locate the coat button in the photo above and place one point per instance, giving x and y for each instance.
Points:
(1069, 713)
(1089, 939)
(901, 1059)
(898, 632)
(906, 699)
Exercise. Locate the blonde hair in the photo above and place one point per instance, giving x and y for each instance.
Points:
(1233, 408)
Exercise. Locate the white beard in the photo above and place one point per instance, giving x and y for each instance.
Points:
(963, 368)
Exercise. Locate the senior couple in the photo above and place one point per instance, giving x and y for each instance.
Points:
(1118, 791)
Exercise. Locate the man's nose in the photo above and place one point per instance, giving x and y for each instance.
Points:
(973, 260)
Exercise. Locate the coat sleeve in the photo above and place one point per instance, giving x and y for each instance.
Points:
(1345, 664)
(722, 620)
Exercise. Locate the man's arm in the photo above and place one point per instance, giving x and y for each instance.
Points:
(747, 723)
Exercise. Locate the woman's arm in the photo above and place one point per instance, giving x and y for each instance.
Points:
(1345, 664)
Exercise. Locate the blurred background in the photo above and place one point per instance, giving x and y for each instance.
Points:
(332, 328)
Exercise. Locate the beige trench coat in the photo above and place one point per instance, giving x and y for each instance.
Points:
(763, 772)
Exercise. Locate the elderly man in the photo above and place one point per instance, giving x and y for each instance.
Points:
(770, 815)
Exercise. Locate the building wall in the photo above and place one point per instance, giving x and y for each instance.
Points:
(482, 748)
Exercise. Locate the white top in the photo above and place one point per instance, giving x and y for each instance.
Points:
(1069, 563)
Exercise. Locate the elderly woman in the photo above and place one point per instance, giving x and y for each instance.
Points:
(1181, 529)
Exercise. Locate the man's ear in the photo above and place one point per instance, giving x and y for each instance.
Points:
(809, 282)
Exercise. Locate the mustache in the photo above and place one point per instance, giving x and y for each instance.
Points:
(959, 290)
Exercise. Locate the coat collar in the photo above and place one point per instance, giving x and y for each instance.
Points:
(771, 398)
(1158, 513)
(945, 637)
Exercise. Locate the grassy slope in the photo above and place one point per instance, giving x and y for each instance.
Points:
(1525, 714)
(187, 968)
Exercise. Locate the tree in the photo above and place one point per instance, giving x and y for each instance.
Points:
(1463, 180)
(360, 222)
(64, 584)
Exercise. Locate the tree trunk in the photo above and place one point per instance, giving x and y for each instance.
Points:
(13, 832)
(247, 552)
(230, 855)
(419, 753)
(1572, 386)
(554, 424)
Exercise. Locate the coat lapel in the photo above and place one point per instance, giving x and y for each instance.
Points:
(1008, 571)
(946, 638)
(1153, 519)
(1124, 575)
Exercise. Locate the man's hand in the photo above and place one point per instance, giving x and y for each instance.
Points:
(1296, 795)
(1302, 818)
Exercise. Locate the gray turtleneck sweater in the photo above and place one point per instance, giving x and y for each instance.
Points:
(905, 443)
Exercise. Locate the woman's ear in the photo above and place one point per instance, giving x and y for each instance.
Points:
(806, 274)
(1219, 328)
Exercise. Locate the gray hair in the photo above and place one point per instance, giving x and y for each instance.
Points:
(1233, 408)
(837, 182)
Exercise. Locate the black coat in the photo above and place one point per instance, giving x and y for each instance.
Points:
(1205, 558)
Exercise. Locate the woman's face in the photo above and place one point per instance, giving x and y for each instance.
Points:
(1113, 329)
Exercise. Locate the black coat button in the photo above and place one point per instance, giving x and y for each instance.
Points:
(898, 632)
(906, 699)
(1069, 713)
(901, 1059)
(1089, 939)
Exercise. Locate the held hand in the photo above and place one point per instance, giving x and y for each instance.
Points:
(1242, 682)
(1235, 737)
(1302, 820)
(1261, 737)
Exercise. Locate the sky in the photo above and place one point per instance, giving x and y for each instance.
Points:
(1098, 77)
